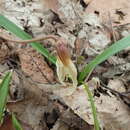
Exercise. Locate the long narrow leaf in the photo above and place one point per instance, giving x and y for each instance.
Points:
(96, 123)
(16, 124)
(113, 49)
(4, 87)
(13, 28)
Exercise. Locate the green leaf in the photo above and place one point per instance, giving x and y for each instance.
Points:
(94, 112)
(13, 28)
(113, 49)
(4, 87)
(16, 124)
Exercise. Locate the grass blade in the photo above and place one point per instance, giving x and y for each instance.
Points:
(4, 87)
(96, 123)
(113, 49)
(16, 124)
(13, 28)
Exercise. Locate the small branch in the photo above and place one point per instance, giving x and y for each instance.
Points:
(30, 40)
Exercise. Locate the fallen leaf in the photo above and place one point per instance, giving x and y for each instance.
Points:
(52, 4)
(33, 65)
(112, 112)
(117, 85)
(31, 109)
(60, 126)
(118, 10)
(4, 51)
(87, 1)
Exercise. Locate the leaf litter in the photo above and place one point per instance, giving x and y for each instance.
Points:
(33, 98)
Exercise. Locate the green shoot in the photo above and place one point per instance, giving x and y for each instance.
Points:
(113, 49)
(13, 28)
(16, 124)
(4, 87)
(94, 112)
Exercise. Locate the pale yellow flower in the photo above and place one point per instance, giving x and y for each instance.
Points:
(64, 64)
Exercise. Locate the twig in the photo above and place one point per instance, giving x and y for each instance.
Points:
(30, 40)
(112, 30)
(116, 92)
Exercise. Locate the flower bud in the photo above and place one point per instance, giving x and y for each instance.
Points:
(65, 66)
(63, 53)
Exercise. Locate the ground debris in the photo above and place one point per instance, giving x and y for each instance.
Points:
(34, 65)
(89, 27)
(106, 105)
(117, 9)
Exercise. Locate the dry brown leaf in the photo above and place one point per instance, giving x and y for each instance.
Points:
(114, 60)
(31, 109)
(117, 85)
(78, 45)
(113, 113)
(33, 65)
(60, 126)
(52, 4)
(1, 5)
(118, 9)
(4, 51)
(16, 91)
(67, 10)
(87, 1)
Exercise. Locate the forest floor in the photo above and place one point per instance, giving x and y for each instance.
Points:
(89, 27)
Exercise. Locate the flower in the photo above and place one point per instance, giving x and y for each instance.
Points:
(65, 66)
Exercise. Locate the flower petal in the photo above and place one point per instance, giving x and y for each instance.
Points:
(64, 71)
